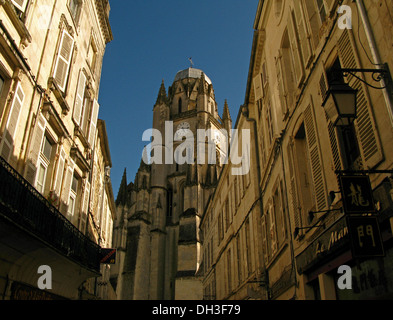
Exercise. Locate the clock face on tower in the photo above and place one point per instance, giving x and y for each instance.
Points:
(182, 127)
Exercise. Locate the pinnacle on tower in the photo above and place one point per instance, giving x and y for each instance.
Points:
(226, 115)
(202, 89)
(162, 96)
(122, 195)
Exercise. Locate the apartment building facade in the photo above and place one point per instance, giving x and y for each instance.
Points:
(54, 150)
(302, 234)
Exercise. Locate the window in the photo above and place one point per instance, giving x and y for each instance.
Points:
(321, 9)
(92, 55)
(41, 178)
(73, 198)
(75, 7)
(44, 163)
(20, 8)
(169, 204)
(46, 149)
(1, 84)
(180, 105)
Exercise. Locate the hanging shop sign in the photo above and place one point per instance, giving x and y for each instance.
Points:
(357, 194)
(366, 240)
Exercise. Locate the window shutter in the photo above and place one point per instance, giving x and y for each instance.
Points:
(93, 122)
(264, 239)
(20, 4)
(35, 149)
(79, 98)
(85, 206)
(281, 87)
(297, 59)
(302, 32)
(258, 91)
(293, 190)
(67, 185)
(93, 187)
(369, 143)
(273, 233)
(63, 60)
(315, 158)
(59, 172)
(12, 123)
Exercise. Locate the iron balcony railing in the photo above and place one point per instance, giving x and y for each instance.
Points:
(21, 203)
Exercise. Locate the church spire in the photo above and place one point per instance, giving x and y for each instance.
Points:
(162, 96)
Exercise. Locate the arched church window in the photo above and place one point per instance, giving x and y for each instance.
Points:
(169, 202)
(180, 105)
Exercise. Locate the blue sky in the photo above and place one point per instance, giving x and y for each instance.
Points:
(153, 40)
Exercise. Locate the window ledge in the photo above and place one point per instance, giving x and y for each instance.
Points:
(79, 159)
(59, 95)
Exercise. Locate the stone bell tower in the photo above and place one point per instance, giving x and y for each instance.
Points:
(165, 203)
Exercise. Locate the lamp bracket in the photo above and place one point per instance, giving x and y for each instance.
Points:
(378, 75)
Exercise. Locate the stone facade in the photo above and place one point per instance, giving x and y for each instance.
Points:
(299, 233)
(50, 70)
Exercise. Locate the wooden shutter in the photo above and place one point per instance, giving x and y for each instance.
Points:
(258, 90)
(264, 237)
(20, 4)
(59, 172)
(85, 207)
(35, 149)
(293, 189)
(315, 158)
(283, 94)
(67, 185)
(63, 60)
(369, 143)
(12, 123)
(273, 231)
(93, 122)
(79, 98)
(303, 34)
(297, 59)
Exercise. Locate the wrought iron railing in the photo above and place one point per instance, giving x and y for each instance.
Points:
(21, 203)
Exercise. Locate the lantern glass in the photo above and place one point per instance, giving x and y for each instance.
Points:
(340, 104)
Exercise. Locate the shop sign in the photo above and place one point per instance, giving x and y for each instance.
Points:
(357, 194)
(108, 256)
(333, 239)
(365, 237)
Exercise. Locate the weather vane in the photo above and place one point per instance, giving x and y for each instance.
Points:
(192, 63)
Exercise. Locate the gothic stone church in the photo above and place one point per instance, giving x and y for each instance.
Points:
(157, 232)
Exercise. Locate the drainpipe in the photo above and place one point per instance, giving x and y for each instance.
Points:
(375, 55)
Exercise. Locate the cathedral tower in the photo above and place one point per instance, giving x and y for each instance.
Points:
(166, 201)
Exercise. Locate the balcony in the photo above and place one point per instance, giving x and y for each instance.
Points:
(22, 205)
